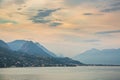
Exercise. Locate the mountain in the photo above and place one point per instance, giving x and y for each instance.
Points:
(32, 49)
(20, 45)
(95, 56)
(10, 58)
(16, 45)
(3, 44)
(46, 50)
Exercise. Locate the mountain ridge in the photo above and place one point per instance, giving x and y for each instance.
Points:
(18, 44)
(11, 58)
(31, 48)
(4, 45)
(95, 56)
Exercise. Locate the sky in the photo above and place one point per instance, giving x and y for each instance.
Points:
(67, 27)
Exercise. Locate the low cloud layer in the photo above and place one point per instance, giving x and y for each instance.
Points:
(42, 17)
(108, 32)
(10, 2)
(4, 21)
(113, 6)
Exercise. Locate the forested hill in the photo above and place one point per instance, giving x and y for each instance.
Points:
(10, 58)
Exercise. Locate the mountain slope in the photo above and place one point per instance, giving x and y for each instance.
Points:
(3, 45)
(94, 56)
(16, 45)
(9, 58)
(32, 49)
(19, 44)
(46, 50)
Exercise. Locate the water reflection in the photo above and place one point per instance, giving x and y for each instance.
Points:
(64, 73)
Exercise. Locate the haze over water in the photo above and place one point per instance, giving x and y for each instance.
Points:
(61, 73)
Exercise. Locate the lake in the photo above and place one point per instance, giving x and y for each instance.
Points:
(61, 73)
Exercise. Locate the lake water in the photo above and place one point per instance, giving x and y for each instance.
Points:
(61, 73)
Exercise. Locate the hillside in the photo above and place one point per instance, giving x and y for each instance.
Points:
(10, 58)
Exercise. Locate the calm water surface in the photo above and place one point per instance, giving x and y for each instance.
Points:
(61, 73)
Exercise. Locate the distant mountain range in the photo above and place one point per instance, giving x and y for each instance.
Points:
(95, 56)
(30, 47)
(22, 53)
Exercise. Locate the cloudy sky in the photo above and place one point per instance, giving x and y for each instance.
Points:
(66, 27)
